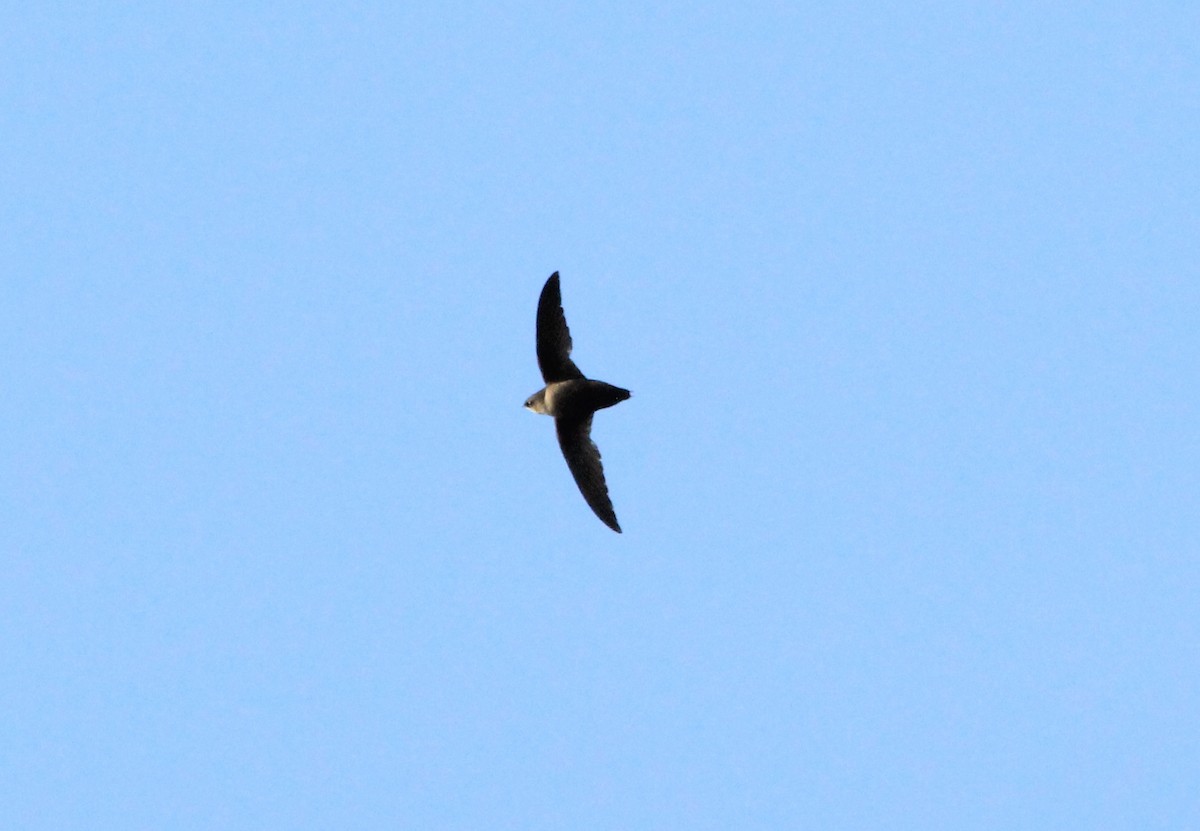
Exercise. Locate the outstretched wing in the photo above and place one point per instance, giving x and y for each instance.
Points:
(553, 336)
(583, 458)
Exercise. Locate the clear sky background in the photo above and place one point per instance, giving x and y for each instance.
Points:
(908, 297)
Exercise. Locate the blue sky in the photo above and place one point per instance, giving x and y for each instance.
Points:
(907, 296)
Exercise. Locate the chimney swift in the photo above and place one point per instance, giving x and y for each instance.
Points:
(572, 399)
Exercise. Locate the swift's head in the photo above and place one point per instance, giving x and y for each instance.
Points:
(537, 402)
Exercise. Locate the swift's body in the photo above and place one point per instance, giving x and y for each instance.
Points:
(572, 399)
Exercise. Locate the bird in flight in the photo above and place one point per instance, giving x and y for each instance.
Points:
(572, 399)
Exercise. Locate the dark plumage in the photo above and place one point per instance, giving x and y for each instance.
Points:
(572, 399)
